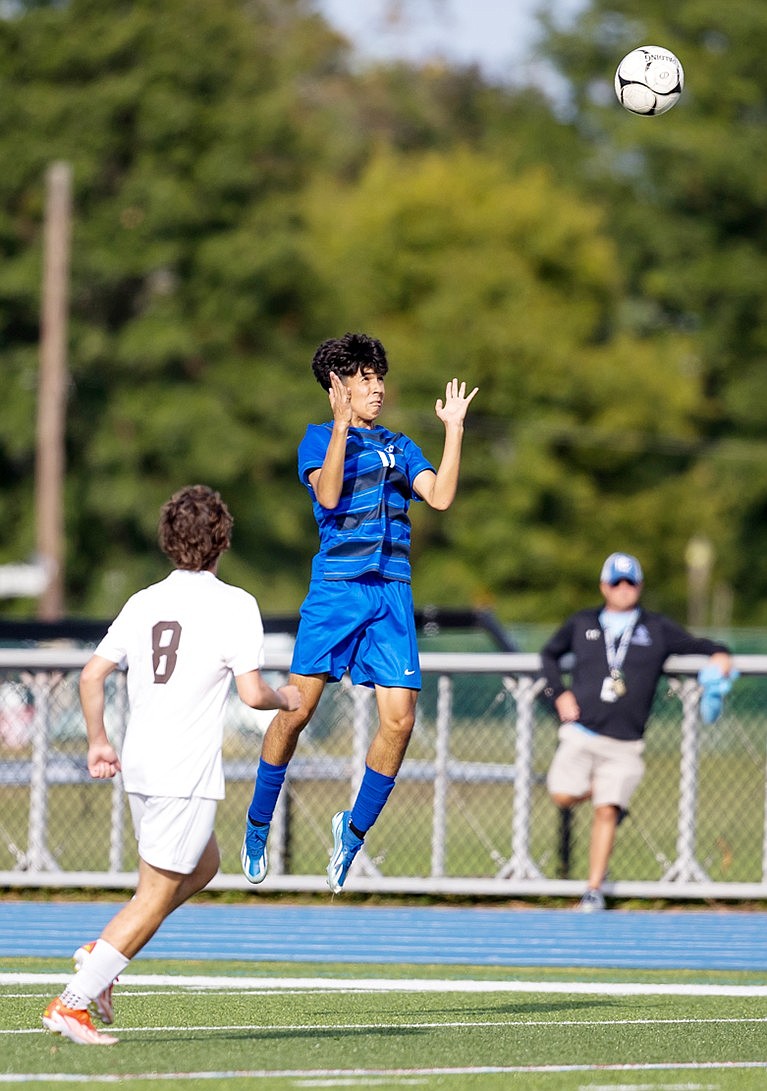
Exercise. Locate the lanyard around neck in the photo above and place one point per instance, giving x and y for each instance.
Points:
(616, 650)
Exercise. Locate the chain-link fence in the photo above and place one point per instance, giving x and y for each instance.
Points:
(470, 813)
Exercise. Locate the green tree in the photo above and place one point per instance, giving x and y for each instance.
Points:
(243, 190)
(197, 290)
(686, 200)
(189, 136)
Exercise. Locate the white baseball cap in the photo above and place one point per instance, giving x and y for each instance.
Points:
(621, 566)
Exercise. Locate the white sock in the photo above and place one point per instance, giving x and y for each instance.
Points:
(72, 998)
(99, 970)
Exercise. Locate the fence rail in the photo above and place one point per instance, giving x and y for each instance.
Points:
(470, 814)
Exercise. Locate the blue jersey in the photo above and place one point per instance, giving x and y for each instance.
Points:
(369, 530)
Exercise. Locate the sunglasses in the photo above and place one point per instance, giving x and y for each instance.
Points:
(623, 579)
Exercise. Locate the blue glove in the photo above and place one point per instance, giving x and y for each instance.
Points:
(715, 687)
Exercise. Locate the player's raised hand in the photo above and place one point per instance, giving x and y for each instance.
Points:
(340, 400)
(453, 409)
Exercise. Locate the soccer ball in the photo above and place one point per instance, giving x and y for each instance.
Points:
(649, 80)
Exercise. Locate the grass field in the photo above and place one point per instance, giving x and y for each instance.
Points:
(301, 1026)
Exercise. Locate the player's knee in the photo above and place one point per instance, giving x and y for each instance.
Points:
(402, 725)
(291, 724)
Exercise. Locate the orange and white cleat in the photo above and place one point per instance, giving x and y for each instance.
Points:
(102, 1006)
(75, 1024)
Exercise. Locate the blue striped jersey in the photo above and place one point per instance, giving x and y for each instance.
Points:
(369, 530)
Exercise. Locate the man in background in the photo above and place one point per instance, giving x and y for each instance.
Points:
(619, 650)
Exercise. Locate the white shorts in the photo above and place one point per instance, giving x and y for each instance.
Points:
(172, 832)
(609, 770)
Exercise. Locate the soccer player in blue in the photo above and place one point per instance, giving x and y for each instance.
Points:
(358, 613)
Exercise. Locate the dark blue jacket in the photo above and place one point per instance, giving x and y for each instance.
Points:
(655, 637)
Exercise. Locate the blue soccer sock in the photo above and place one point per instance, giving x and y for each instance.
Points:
(371, 798)
(269, 781)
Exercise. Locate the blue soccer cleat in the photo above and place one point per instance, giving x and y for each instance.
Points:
(253, 854)
(346, 845)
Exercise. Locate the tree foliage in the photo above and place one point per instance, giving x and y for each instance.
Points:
(244, 190)
(686, 199)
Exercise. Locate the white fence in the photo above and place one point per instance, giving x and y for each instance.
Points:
(470, 814)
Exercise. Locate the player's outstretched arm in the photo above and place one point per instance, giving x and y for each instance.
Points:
(438, 490)
(256, 692)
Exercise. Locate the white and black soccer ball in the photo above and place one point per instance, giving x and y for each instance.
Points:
(649, 80)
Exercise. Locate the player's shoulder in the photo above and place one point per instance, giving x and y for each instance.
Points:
(235, 594)
(233, 606)
(146, 594)
(318, 431)
(315, 438)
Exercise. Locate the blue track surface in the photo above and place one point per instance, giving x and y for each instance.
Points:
(477, 936)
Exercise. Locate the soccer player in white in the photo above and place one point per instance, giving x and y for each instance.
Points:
(182, 640)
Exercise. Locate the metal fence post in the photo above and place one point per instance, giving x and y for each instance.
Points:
(39, 857)
(764, 831)
(441, 779)
(362, 699)
(521, 866)
(686, 868)
(279, 842)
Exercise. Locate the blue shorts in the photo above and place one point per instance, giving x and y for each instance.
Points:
(364, 626)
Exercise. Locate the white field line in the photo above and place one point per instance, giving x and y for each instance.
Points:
(365, 1074)
(350, 1077)
(373, 984)
(461, 1024)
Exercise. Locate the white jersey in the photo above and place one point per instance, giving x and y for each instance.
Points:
(182, 640)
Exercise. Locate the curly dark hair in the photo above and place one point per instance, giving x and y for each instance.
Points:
(347, 355)
(195, 528)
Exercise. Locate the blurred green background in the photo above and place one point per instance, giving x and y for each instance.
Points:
(245, 186)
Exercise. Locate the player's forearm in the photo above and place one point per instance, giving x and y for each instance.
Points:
(92, 679)
(273, 699)
(330, 480)
(445, 485)
(92, 701)
(256, 692)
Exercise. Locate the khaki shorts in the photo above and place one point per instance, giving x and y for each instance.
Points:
(172, 832)
(609, 770)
